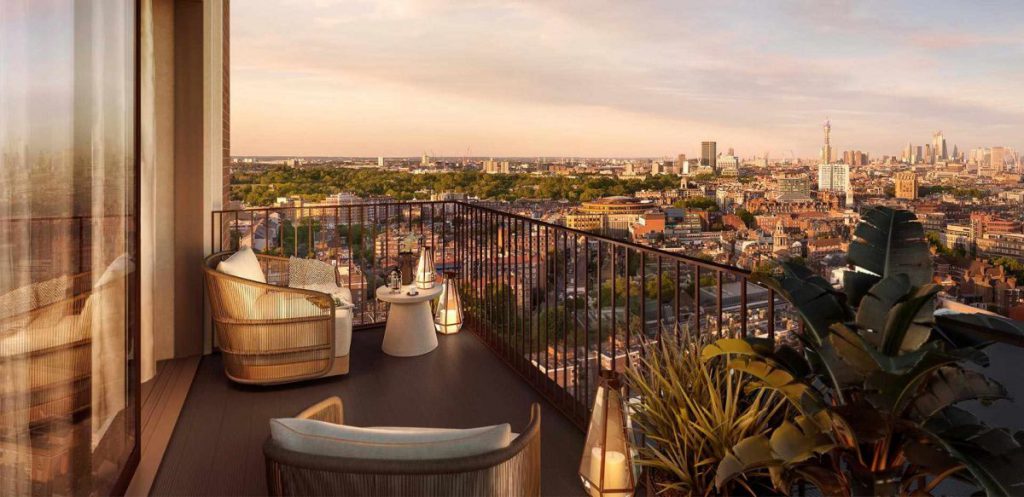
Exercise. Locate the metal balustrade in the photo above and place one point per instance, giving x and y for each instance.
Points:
(554, 303)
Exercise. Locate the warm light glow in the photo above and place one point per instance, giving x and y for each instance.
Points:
(607, 467)
(448, 317)
(616, 469)
(425, 273)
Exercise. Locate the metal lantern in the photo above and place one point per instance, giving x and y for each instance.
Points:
(448, 315)
(607, 467)
(425, 269)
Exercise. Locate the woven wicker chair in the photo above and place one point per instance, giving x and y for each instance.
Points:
(45, 340)
(513, 471)
(269, 333)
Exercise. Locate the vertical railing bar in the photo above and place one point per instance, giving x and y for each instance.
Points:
(362, 254)
(696, 298)
(600, 330)
(576, 323)
(643, 295)
(719, 300)
(530, 342)
(743, 307)
(565, 314)
(586, 324)
(657, 332)
(678, 297)
(612, 332)
(771, 313)
(629, 283)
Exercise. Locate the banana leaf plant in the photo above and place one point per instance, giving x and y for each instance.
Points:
(875, 379)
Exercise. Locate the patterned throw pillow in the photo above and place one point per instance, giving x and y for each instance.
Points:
(17, 301)
(306, 272)
(51, 291)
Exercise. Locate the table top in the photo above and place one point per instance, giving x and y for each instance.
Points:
(384, 293)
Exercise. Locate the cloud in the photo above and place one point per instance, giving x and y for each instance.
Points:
(742, 66)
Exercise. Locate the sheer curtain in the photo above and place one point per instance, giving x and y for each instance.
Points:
(67, 245)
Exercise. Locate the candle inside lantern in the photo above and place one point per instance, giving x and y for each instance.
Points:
(449, 321)
(616, 472)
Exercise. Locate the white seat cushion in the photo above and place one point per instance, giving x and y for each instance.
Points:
(326, 439)
(282, 305)
(243, 264)
(342, 332)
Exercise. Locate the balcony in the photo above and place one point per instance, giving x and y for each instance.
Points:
(546, 308)
(555, 304)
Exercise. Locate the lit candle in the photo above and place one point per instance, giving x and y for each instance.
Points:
(449, 322)
(616, 471)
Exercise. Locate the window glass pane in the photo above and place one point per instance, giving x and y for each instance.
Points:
(68, 389)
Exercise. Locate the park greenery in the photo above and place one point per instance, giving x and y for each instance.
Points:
(315, 184)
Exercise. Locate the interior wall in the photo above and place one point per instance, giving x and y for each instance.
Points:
(162, 309)
(188, 147)
(188, 176)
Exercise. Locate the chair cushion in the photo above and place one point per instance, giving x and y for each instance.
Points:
(342, 332)
(243, 264)
(282, 305)
(327, 439)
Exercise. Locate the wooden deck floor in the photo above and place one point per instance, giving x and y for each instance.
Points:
(216, 448)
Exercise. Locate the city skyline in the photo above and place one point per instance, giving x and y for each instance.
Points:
(645, 80)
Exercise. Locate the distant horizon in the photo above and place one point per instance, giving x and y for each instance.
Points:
(399, 78)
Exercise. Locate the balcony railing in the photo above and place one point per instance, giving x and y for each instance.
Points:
(556, 304)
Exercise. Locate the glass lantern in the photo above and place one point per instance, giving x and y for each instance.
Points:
(607, 467)
(425, 269)
(448, 315)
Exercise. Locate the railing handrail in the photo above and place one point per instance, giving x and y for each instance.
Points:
(557, 304)
(706, 264)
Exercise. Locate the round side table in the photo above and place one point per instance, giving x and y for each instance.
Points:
(410, 328)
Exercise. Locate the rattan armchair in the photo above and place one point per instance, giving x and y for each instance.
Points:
(269, 333)
(45, 343)
(512, 471)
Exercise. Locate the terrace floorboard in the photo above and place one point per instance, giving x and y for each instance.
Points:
(216, 448)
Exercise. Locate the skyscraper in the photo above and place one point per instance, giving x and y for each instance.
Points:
(997, 158)
(826, 150)
(709, 154)
(939, 146)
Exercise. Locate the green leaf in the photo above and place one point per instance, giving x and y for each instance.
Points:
(750, 453)
(993, 456)
(892, 388)
(949, 385)
(875, 306)
(812, 296)
(804, 397)
(888, 242)
(976, 329)
(762, 348)
(856, 285)
(853, 350)
(909, 323)
(796, 442)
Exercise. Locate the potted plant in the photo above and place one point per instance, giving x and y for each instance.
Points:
(690, 413)
(875, 379)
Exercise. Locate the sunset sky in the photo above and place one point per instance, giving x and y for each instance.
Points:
(621, 78)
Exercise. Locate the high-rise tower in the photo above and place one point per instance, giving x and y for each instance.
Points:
(826, 151)
(709, 154)
(939, 146)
